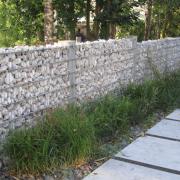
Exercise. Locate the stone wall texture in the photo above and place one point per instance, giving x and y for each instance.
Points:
(34, 79)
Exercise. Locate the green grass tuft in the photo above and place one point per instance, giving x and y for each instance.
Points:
(65, 137)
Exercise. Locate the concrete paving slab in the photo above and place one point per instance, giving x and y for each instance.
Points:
(166, 129)
(155, 152)
(174, 115)
(117, 170)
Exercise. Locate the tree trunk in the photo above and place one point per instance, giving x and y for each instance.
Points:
(72, 24)
(158, 27)
(112, 31)
(168, 20)
(148, 20)
(96, 25)
(111, 24)
(72, 32)
(88, 8)
(48, 21)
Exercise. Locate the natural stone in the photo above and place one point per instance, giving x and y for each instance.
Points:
(48, 178)
(9, 78)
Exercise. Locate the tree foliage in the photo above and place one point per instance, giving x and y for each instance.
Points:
(68, 12)
(27, 16)
(115, 12)
(166, 18)
(22, 21)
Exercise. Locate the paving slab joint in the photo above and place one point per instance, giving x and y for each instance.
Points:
(147, 165)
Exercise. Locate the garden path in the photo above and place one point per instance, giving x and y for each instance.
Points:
(156, 156)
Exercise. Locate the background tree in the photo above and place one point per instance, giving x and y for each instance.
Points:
(8, 34)
(88, 9)
(148, 18)
(30, 21)
(26, 17)
(113, 13)
(48, 21)
(96, 25)
(68, 13)
(166, 18)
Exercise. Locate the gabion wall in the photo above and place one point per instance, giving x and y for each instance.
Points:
(34, 79)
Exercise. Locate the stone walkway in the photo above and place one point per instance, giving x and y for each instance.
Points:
(156, 156)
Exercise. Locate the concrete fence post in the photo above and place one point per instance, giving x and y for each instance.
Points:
(135, 59)
(71, 72)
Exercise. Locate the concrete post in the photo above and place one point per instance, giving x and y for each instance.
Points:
(71, 72)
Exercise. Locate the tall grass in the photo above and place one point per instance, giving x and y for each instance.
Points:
(70, 136)
(65, 137)
(162, 93)
(110, 116)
